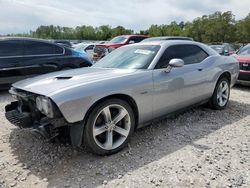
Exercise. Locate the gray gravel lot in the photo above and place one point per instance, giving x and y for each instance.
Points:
(199, 148)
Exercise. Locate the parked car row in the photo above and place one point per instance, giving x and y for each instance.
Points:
(101, 106)
(101, 50)
(24, 57)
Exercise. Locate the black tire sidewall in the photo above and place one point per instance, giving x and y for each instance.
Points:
(88, 130)
(214, 102)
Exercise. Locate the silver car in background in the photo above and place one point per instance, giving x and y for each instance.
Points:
(102, 105)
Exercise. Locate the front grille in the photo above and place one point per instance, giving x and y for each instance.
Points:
(245, 66)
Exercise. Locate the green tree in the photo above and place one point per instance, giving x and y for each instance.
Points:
(216, 27)
(243, 30)
(119, 30)
(103, 32)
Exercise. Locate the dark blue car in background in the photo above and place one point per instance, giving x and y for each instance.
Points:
(21, 58)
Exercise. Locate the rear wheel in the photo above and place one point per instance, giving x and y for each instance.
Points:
(221, 94)
(109, 127)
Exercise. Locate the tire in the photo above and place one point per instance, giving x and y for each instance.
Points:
(221, 94)
(105, 132)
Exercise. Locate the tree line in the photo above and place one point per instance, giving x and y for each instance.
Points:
(216, 27)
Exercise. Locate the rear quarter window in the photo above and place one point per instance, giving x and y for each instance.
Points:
(194, 54)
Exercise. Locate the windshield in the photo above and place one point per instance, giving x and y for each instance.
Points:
(119, 40)
(129, 57)
(244, 51)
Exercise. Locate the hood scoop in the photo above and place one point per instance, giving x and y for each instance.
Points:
(63, 77)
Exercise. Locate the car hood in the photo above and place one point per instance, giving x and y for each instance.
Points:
(243, 58)
(48, 84)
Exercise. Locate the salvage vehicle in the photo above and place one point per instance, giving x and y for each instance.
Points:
(243, 56)
(102, 105)
(101, 50)
(21, 58)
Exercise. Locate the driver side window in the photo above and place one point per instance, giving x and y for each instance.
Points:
(189, 53)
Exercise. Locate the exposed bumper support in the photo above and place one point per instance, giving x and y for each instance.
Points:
(22, 120)
(43, 126)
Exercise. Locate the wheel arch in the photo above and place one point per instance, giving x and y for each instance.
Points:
(76, 129)
(225, 74)
(123, 97)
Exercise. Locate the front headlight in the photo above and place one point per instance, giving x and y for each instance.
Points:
(45, 106)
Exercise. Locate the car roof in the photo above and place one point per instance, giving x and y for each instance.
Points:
(29, 39)
(34, 39)
(218, 43)
(132, 35)
(22, 38)
(170, 38)
(167, 42)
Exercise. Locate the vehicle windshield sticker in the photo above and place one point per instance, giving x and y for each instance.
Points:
(144, 52)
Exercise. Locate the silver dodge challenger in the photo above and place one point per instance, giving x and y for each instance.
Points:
(102, 105)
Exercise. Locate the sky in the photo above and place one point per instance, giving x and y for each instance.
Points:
(21, 16)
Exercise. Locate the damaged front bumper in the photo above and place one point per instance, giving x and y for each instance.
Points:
(20, 119)
(43, 126)
(48, 128)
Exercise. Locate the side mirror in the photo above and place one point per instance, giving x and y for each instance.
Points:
(174, 63)
(131, 42)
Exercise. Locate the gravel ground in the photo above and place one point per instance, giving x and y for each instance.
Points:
(199, 148)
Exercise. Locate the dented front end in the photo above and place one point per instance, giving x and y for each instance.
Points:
(26, 113)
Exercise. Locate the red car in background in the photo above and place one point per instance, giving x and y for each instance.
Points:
(243, 56)
(101, 50)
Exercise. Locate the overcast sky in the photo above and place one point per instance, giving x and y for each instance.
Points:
(17, 16)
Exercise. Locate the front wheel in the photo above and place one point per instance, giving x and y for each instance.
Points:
(109, 127)
(221, 94)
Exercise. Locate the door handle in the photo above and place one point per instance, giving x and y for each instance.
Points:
(200, 69)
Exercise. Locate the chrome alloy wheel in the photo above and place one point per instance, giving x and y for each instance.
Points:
(223, 93)
(111, 127)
